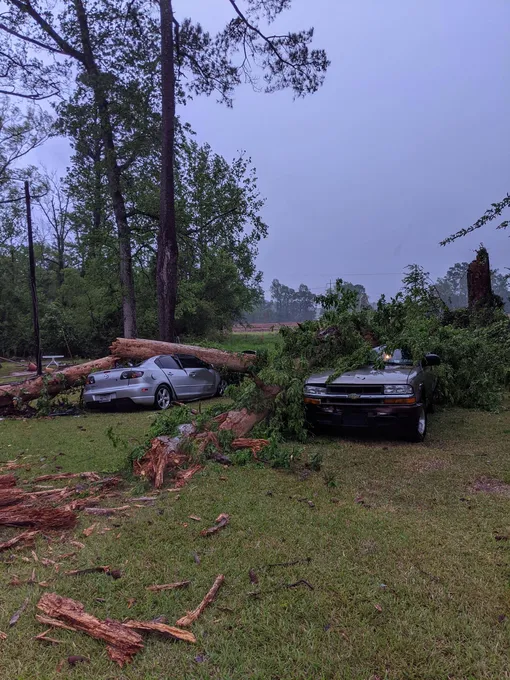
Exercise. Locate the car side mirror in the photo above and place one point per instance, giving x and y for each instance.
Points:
(431, 360)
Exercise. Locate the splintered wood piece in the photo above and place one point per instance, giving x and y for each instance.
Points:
(195, 517)
(3, 636)
(7, 481)
(90, 570)
(255, 445)
(44, 518)
(77, 544)
(12, 496)
(105, 512)
(42, 638)
(169, 586)
(54, 623)
(162, 629)
(89, 530)
(182, 477)
(123, 642)
(221, 522)
(25, 537)
(90, 476)
(190, 617)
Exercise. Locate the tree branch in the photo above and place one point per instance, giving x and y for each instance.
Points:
(65, 47)
(26, 38)
(264, 38)
(34, 96)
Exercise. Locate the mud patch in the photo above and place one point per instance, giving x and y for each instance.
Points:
(488, 485)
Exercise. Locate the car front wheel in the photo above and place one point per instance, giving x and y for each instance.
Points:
(221, 388)
(163, 398)
(418, 430)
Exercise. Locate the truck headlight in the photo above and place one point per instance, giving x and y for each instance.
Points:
(398, 389)
(314, 390)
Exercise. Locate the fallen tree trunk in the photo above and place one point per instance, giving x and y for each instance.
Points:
(145, 349)
(13, 393)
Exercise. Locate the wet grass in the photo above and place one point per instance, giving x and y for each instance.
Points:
(409, 565)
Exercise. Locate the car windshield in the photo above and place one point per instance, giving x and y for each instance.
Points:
(399, 357)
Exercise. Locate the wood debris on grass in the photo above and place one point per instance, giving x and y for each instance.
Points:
(192, 616)
(89, 476)
(25, 537)
(88, 531)
(168, 586)
(221, 522)
(7, 481)
(123, 639)
(42, 637)
(44, 518)
(196, 518)
(106, 512)
(162, 629)
(123, 642)
(3, 636)
(89, 570)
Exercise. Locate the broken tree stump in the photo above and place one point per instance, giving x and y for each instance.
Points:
(479, 283)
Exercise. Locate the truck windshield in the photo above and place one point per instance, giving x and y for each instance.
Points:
(399, 357)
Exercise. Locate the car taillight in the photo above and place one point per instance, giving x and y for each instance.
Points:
(90, 380)
(129, 375)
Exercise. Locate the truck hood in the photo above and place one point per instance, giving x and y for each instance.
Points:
(367, 375)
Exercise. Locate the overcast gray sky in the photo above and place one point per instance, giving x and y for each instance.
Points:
(407, 141)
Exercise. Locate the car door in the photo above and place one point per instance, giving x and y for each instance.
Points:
(202, 378)
(176, 376)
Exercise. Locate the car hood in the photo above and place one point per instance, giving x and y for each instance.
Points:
(367, 375)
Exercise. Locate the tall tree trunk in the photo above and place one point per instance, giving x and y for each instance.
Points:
(166, 271)
(113, 174)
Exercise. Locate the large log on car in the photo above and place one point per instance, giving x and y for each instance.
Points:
(137, 348)
(29, 390)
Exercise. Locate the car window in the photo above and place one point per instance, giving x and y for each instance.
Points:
(167, 362)
(188, 361)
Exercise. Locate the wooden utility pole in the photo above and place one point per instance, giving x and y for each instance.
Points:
(33, 285)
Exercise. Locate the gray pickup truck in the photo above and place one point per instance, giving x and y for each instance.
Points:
(400, 394)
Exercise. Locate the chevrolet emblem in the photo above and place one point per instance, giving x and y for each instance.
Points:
(353, 396)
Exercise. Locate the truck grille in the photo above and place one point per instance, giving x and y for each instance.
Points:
(355, 389)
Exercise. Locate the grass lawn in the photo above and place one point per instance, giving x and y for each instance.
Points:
(409, 565)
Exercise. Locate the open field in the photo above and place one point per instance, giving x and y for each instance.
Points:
(409, 563)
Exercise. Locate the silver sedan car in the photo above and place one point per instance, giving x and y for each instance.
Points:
(156, 382)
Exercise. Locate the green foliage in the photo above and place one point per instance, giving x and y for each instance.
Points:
(474, 373)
